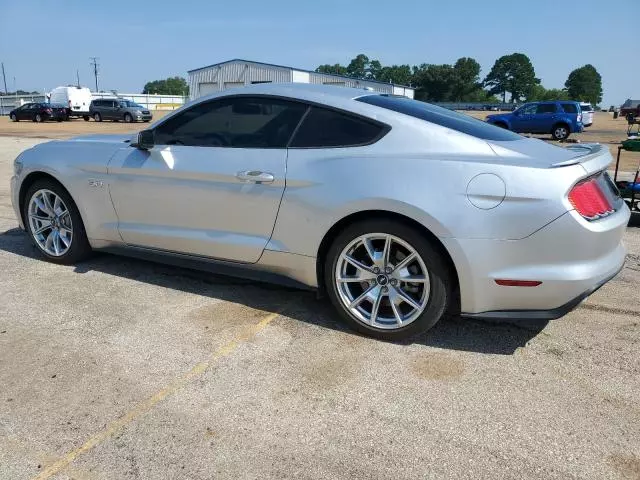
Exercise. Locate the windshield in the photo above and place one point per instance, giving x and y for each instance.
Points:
(130, 104)
(440, 116)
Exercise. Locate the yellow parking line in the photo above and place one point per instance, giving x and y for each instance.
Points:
(152, 401)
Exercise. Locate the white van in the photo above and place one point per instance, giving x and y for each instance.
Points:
(76, 99)
(587, 114)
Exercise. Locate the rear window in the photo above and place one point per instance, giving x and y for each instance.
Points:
(546, 108)
(570, 107)
(328, 128)
(586, 107)
(440, 116)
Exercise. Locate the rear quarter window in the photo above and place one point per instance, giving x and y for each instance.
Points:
(440, 116)
(323, 128)
(570, 107)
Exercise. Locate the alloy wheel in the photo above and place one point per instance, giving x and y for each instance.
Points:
(382, 281)
(50, 223)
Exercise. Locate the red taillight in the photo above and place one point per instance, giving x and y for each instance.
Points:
(589, 200)
(48, 110)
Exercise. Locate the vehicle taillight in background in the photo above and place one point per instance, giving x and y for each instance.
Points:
(48, 110)
(589, 200)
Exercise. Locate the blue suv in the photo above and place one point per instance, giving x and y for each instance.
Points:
(560, 119)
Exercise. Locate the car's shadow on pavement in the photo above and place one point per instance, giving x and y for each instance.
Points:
(453, 333)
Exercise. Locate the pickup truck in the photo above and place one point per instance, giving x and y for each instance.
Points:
(560, 119)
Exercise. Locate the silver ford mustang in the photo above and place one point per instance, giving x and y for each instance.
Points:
(398, 210)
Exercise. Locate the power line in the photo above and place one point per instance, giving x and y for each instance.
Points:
(94, 63)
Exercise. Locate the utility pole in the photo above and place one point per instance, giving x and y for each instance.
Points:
(78, 77)
(94, 63)
(5, 80)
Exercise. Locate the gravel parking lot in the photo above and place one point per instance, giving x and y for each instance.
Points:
(118, 368)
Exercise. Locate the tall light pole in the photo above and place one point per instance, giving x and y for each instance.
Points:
(5, 80)
(94, 63)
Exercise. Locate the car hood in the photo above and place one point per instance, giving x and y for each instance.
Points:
(102, 138)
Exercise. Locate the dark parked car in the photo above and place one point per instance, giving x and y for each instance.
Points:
(118, 109)
(39, 112)
(560, 119)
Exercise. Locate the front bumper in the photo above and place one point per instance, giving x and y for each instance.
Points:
(15, 201)
(143, 117)
(570, 256)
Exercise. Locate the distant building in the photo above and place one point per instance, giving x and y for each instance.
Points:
(238, 73)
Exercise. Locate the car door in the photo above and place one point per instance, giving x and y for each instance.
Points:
(544, 117)
(212, 183)
(522, 119)
(107, 110)
(26, 112)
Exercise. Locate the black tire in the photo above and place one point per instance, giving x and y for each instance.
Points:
(86, 118)
(37, 118)
(13, 117)
(80, 248)
(560, 131)
(97, 117)
(439, 277)
(128, 118)
(58, 120)
(501, 125)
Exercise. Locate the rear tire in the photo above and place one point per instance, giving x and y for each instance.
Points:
(560, 131)
(79, 249)
(13, 117)
(97, 117)
(86, 118)
(430, 292)
(38, 118)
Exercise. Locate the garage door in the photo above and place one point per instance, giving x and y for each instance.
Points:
(207, 88)
(233, 84)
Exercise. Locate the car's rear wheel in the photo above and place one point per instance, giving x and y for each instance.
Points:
(13, 117)
(128, 118)
(560, 132)
(386, 279)
(97, 117)
(54, 224)
(38, 118)
(86, 118)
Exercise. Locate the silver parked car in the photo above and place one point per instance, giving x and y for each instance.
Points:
(117, 109)
(396, 209)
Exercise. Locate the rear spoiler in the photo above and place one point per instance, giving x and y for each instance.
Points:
(592, 156)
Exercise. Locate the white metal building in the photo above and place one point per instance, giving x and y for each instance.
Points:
(238, 73)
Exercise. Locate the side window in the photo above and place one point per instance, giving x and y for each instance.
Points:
(570, 107)
(528, 110)
(328, 128)
(236, 122)
(546, 108)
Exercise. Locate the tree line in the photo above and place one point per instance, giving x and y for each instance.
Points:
(512, 74)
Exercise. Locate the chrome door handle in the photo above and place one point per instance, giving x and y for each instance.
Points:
(255, 176)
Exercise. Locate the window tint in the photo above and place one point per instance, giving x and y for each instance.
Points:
(328, 128)
(440, 116)
(527, 109)
(570, 107)
(240, 122)
(546, 108)
(586, 107)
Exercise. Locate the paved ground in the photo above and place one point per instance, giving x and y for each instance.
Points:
(121, 369)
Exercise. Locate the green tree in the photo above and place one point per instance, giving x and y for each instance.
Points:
(514, 74)
(434, 83)
(585, 83)
(539, 93)
(169, 86)
(362, 67)
(398, 74)
(336, 69)
(466, 79)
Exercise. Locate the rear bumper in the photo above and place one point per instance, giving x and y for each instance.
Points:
(570, 256)
(550, 314)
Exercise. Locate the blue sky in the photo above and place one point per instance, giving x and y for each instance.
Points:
(140, 40)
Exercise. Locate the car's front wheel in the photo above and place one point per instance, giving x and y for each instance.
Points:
(13, 117)
(54, 224)
(386, 279)
(128, 118)
(560, 132)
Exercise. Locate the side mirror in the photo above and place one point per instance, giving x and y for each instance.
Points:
(144, 140)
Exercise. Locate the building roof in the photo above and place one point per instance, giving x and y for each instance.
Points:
(240, 60)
